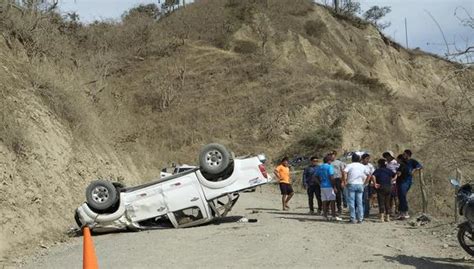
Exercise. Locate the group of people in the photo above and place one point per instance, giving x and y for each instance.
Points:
(337, 185)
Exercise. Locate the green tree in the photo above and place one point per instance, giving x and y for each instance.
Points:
(169, 6)
(375, 13)
(150, 11)
(347, 7)
(336, 5)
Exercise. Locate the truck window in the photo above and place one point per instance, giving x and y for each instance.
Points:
(188, 215)
(182, 169)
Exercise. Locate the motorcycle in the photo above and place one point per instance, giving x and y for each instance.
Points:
(465, 202)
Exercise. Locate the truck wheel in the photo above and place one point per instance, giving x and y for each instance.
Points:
(214, 159)
(101, 195)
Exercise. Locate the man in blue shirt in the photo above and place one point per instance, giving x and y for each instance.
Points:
(412, 165)
(312, 185)
(325, 175)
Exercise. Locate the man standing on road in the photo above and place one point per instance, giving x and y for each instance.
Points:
(282, 172)
(354, 177)
(325, 176)
(365, 160)
(412, 165)
(403, 185)
(338, 167)
(312, 185)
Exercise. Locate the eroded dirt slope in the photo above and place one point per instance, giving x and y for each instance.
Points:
(279, 80)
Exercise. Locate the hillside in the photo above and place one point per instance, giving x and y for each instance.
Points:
(122, 100)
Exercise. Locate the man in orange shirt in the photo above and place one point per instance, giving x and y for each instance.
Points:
(282, 172)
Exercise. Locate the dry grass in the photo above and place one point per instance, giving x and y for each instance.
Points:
(315, 28)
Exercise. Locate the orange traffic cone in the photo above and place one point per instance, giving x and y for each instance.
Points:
(89, 259)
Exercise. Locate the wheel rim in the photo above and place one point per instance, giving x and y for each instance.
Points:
(214, 158)
(100, 194)
(468, 240)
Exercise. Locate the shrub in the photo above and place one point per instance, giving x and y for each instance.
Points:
(245, 46)
(315, 28)
(371, 83)
(322, 140)
(150, 10)
(375, 13)
(316, 142)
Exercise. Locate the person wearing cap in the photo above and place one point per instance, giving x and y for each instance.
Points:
(312, 185)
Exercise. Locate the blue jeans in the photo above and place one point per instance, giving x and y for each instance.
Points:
(314, 190)
(402, 196)
(345, 196)
(409, 182)
(356, 191)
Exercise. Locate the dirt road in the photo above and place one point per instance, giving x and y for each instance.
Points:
(279, 239)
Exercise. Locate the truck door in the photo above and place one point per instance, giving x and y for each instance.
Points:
(184, 197)
(146, 203)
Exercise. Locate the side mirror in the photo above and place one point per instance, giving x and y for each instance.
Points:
(455, 183)
(262, 158)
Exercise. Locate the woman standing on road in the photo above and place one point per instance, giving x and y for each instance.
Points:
(383, 184)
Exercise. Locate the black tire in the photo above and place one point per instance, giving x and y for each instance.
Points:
(101, 195)
(214, 159)
(464, 233)
(76, 218)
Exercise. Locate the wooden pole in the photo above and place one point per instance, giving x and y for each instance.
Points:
(455, 202)
(406, 32)
(459, 176)
(336, 6)
(423, 192)
(459, 179)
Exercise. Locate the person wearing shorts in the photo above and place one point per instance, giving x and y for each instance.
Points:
(325, 175)
(282, 172)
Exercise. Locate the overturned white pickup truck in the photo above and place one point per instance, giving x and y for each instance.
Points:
(186, 199)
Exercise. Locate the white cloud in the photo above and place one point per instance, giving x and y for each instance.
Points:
(422, 30)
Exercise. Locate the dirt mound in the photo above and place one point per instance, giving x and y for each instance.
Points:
(121, 100)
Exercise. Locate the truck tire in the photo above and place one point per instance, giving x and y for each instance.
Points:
(101, 196)
(214, 159)
(78, 221)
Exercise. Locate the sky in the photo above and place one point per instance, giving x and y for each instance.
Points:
(422, 30)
